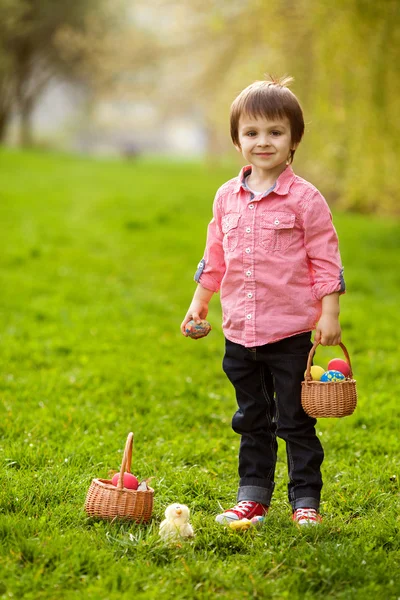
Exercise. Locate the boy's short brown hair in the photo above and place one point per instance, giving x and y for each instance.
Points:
(271, 99)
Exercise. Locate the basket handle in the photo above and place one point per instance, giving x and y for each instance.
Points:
(126, 461)
(308, 377)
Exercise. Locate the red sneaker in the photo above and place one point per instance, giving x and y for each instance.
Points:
(306, 516)
(245, 509)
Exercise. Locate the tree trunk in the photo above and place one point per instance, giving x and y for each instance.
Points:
(4, 117)
(25, 131)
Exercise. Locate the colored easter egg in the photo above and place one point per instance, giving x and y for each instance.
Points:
(240, 525)
(338, 364)
(130, 481)
(330, 376)
(197, 330)
(316, 372)
(257, 520)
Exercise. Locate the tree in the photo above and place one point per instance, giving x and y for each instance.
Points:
(10, 13)
(31, 52)
(344, 59)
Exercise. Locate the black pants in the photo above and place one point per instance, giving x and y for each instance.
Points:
(267, 380)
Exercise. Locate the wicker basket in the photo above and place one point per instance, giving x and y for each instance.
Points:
(107, 501)
(328, 399)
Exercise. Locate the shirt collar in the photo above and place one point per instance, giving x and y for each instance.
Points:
(283, 182)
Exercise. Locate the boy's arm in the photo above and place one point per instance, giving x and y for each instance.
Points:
(198, 308)
(328, 331)
(210, 270)
(322, 247)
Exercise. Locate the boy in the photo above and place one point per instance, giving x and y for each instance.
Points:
(272, 252)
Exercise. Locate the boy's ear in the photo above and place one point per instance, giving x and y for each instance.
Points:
(238, 148)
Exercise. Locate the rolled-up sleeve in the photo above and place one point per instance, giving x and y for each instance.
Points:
(211, 268)
(322, 247)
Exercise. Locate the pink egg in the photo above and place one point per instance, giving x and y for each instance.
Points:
(338, 364)
(130, 481)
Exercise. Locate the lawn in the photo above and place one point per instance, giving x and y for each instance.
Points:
(96, 273)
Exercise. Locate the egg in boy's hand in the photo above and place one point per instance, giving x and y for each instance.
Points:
(197, 330)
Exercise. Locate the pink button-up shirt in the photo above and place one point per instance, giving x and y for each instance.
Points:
(273, 256)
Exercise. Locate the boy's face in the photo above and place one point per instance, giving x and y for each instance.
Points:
(265, 144)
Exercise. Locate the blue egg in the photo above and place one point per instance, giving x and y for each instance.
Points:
(332, 376)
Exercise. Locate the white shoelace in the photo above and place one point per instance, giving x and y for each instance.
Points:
(306, 513)
(242, 507)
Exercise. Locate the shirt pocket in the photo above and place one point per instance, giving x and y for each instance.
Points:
(229, 226)
(276, 230)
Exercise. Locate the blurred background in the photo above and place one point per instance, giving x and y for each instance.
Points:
(121, 78)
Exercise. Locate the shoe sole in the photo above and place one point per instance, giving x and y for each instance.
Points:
(224, 520)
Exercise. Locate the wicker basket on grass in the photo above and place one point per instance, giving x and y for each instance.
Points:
(328, 399)
(107, 501)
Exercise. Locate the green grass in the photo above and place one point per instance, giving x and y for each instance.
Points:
(96, 268)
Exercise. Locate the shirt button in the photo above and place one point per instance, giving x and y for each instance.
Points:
(276, 221)
(248, 273)
(248, 250)
(249, 317)
(251, 206)
(249, 295)
(248, 230)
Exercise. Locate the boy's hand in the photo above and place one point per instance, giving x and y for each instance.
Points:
(197, 312)
(328, 332)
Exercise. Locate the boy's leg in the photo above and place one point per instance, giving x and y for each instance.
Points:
(254, 421)
(287, 360)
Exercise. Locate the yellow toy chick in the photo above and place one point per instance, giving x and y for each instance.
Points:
(176, 523)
